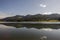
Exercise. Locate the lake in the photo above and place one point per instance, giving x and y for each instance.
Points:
(18, 31)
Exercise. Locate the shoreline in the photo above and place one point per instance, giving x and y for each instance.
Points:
(33, 22)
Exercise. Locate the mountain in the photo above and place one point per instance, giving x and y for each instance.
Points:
(36, 17)
(13, 18)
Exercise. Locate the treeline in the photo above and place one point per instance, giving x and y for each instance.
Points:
(36, 17)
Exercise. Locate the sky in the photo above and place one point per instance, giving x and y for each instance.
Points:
(24, 7)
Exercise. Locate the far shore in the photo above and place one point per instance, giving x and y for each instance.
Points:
(33, 22)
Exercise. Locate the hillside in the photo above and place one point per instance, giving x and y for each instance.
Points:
(36, 17)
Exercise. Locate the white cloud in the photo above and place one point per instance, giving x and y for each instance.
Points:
(3, 26)
(47, 29)
(46, 13)
(43, 5)
(3, 15)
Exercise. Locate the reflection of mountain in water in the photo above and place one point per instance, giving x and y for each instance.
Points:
(18, 25)
(28, 33)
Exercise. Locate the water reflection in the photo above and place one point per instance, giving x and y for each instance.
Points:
(39, 26)
(23, 33)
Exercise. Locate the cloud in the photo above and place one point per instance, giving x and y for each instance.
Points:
(46, 13)
(43, 5)
(3, 15)
(3, 26)
(47, 29)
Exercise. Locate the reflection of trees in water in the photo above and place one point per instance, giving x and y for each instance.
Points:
(18, 25)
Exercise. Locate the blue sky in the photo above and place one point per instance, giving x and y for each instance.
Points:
(24, 7)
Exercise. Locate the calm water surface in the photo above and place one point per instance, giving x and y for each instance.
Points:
(28, 32)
